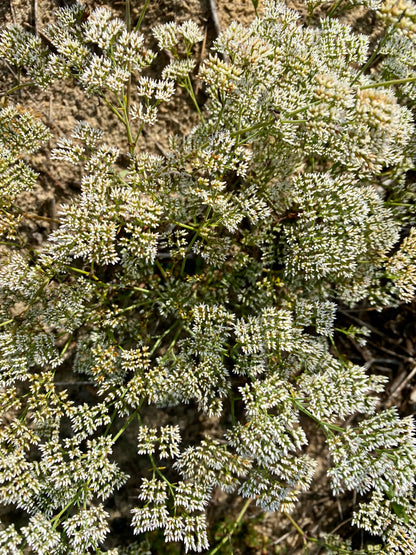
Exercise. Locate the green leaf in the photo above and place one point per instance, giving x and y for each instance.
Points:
(400, 511)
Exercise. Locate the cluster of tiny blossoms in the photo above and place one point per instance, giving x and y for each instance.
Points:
(209, 277)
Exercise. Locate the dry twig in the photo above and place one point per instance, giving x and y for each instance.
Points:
(214, 15)
(35, 16)
(398, 388)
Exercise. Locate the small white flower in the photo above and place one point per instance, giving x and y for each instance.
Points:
(178, 69)
(191, 32)
(166, 35)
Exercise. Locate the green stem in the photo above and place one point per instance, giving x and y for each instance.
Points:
(125, 108)
(334, 7)
(142, 15)
(294, 121)
(34, 216)
(194, 238)
(127, 99)
(9, 244)
(261, 125)
(56, 518)
(67, 344)
(191, 244)
(161, 269)
(304, 108)
(379, 47)
(16, 88)
(232, 406)
(113, 417)
(233, 528)
(296, 526)
(370, 60)
(190, 89)
(130, 307)
(124, 118)
(139, 132)
(325, 425)
(180, 224)
(388, 83)
(88, 274)
(124, 428)
(164, 334)
(174, 340)
(79, 271)
(128, 16)
(220, 116)
(115, 111)
(157, 470)
(141, 290)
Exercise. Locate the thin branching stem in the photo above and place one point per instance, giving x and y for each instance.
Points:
(234, 527)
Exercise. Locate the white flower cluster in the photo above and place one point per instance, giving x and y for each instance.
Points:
(23, 49)
(10, 539)
(340, 390)
(188, 528)
(21, 132)
(402, 267)
(300, 87)
(212, 464)
(266, 437)
(192, 496)
(107, 204)
(121, 51)
(333, 228)
(398, 60)
(41, 536)
(86, 420)
(167, 440)
(376, 455)
(315, 311)
(272, 330)
(191, 530)
(87, 529)
(278, 489)
(149, 89)
(401, 14)
(169, 34)
(392, 518)
(209, 276)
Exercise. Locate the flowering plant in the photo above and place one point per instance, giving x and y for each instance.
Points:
(209, 277)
